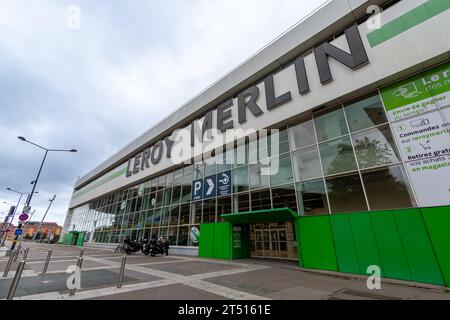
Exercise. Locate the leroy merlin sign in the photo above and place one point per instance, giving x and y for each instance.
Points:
(414, 96)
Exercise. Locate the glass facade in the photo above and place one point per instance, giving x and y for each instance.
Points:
(340, 161)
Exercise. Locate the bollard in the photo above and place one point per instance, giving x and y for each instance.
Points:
(122, 271)
(8, 265)
(25, 254)
(15, 283)
(47, 261)
(79, 264)
(16, 255)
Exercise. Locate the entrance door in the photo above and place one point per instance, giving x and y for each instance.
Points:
(274, 240)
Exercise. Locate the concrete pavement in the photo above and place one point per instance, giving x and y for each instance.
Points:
(189, 278)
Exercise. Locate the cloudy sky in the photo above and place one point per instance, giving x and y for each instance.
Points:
(99, 84)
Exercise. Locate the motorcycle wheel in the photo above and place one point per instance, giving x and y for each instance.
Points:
(153, 254)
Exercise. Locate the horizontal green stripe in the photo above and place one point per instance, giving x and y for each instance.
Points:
(407, 21)
(100, 183)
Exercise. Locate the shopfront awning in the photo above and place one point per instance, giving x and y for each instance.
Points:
(262, 216)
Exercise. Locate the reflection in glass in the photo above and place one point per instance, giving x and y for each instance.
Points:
(346, 194)
(365, 113)
(337, 156)
(312, 196)
(307, 164)
(281, 170)
(375, 147)
(387, 188)
(257, 179)
(302, 135)
(240, 179)
(331, 125)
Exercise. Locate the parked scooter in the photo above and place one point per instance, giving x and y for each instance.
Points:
(155, 247)
(132, 246)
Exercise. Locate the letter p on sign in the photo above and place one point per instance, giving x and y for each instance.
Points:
(197, 187)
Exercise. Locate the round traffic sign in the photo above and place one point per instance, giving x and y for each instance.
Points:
(23, 217)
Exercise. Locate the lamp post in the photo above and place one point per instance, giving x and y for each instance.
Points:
(40, 223)
(35, 182)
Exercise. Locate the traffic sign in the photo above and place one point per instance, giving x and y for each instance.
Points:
(26, 210)
(224, 184)
(18, 232)
(197, 190)
(218, 185)
(23, 217)
(210, 187)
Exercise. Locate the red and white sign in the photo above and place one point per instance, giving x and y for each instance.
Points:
(23, 217)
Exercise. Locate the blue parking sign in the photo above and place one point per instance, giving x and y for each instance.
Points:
(224, 184)
(210, 187)
(197, 190)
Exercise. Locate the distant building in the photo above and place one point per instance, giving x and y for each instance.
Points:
(10, 234)
(47, 229)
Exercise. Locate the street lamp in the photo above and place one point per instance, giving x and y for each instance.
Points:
(42, 164)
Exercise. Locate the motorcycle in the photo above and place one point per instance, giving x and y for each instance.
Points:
(155, 247)
(132, 246)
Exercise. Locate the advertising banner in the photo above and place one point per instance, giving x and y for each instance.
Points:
(414, 96)
(419, 109)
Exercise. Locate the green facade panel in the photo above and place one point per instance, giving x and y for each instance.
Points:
(223, 241)
(317, 247)
(393, 258)
(343, 241)
(206, 241)
(418, 249)
(364, 240)
(437, 221)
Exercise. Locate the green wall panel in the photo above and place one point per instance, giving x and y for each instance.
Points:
(206, 241)
(393, 259)
(437, 221)
(317, 247)
(418, 249)
(364, 240)
(343, 241)
(223, 241)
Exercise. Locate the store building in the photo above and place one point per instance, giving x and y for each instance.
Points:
(349, 166)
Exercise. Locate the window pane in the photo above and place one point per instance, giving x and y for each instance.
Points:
(186, 193)
(307, 164)
(282, 143)
(174, 215)
(375, 147)
(209, 211)
(183, 234)
(185, 213)
(196, 216)
(223, 206)
(387, 188)
(240, 179)
(346, 194)
(365, 113)
(176, 194)
(172, 236)
(241, 202)
(312, 197)
(284, 197)
(337, 156)
(302, 135)
(331, 125)
(261, 200)
(281, 170)
(257, 180)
